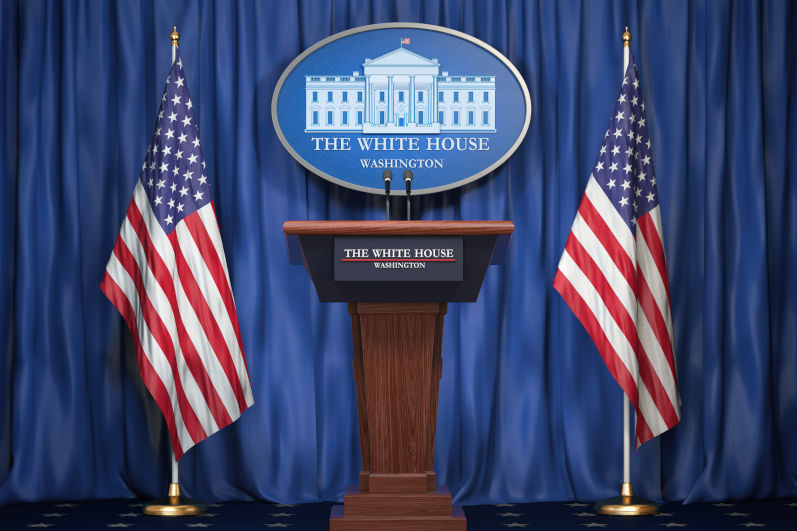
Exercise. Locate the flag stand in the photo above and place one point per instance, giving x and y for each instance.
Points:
(174, 504)
(626, 504)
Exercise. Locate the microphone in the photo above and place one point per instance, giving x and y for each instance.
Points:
(408, 179)
(408, 183)
(387, 176)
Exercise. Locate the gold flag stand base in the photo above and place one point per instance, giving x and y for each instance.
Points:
(174, 505)
(626, 504)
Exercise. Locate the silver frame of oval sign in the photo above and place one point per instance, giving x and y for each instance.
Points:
(411, 25)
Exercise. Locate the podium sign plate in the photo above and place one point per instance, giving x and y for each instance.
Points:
(398, 259)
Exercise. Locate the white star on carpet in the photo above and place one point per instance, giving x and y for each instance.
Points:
(723, 504)
(515, 524)
(280, 524)
(281, 515)
(53, 515)
(510, 514)
(594, 524)
(738, 514)
(583, 514)
(66, 505)
(664, 514)
(752, 524)
(199, 524)
(505, 505)
(39, 525)
(673, 524)
(576, 504)
(284, 505)
(118, 525)
(131, 515)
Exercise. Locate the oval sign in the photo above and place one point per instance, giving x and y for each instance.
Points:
(401, 96)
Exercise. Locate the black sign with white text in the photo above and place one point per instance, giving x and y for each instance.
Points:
(398, 258)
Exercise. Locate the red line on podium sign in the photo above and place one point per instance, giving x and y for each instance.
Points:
(398, 259)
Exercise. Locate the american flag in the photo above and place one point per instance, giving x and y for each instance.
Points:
(613, 272)
(168, 278)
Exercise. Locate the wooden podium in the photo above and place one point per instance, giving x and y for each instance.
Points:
(397, 329)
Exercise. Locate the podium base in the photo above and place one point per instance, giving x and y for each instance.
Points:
(626, 504)
(453, 522)
(428, 510)
(174, 505)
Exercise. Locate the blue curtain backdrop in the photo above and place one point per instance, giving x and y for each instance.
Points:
(527, 409)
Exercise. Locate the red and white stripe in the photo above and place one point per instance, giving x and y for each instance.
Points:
(174, 293)
(616, 284)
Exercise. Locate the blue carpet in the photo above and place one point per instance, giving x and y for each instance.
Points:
(107, 514)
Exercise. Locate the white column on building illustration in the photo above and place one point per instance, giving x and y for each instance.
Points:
(433, 104)
(367, 100)
(390, 103)
(429, 98)
(372, 104)
(412, 100)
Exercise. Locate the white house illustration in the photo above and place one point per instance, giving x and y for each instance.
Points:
(400, 92)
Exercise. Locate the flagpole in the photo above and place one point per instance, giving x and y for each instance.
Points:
(174, 504)
(175, 37)
(626, 504)
(626, 402)
(626, 440)
(175, 470)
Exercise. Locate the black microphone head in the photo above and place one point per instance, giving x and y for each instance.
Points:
(387, 175)
(408, 175)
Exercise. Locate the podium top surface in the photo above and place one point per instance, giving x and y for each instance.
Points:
(397, 228)
(312, 244)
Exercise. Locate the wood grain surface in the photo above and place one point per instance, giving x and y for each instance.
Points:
(397, 228)
(397, 368)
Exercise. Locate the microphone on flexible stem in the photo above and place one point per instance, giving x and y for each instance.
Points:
(387, 176)
(408, 182)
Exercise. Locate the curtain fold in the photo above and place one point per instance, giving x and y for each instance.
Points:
(527, 409)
